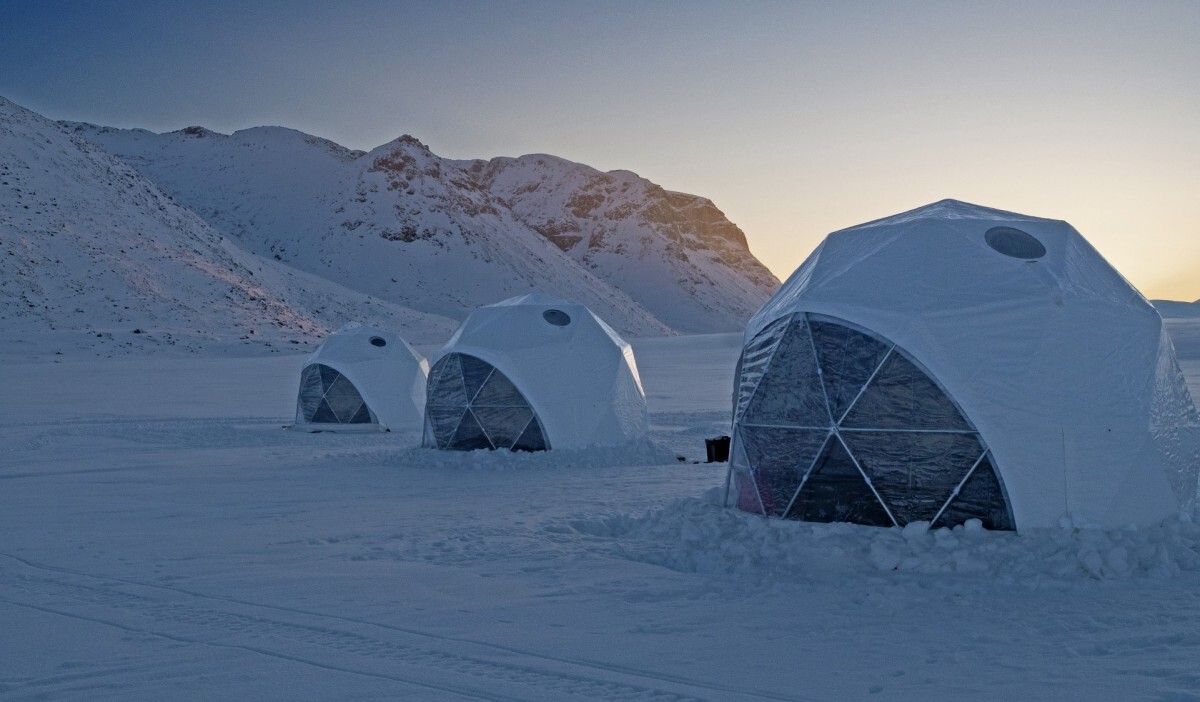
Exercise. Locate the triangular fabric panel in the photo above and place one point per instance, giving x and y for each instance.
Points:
(847, 358)
(780, 458)
(901, 396)
(790, 391)
(982, 498)
(914, 472)
(836, 492)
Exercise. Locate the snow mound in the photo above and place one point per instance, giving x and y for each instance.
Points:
(632, 454)
(698, 535)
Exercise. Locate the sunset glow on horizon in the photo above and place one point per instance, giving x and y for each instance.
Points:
(795, 119)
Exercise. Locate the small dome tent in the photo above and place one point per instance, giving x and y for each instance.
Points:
(958, 362)
(362, 378)
(532, 373)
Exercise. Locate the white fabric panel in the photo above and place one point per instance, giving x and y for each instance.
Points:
(391, 378)
(1063, 367)
(581, 378)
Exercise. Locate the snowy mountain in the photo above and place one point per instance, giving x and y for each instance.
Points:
(445, 236)
(1173, 309)
(91, 250)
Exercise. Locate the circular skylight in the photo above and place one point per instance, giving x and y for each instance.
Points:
(1015, 243)
(378, 341)
(557, 317)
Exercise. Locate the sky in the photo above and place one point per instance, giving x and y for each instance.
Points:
(795, 118)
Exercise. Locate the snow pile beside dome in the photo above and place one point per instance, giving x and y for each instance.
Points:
(699, 536)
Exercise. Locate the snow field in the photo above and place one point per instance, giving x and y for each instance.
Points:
(165, 538)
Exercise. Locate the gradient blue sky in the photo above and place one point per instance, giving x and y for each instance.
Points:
(795, 118)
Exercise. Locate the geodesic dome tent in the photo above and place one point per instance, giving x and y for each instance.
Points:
(362, 378)
(958, 362)
(532, 373)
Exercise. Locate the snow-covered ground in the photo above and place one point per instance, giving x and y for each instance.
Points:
(161, 537)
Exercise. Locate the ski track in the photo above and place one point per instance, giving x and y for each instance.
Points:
(156, 610)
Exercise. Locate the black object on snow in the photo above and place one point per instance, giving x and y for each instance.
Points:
(718, 449)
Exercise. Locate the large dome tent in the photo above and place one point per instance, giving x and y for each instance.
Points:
(958, 362)
(534, 372)
(362, 378)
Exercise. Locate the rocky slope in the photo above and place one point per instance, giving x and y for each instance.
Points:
(445, 236)
(94, 256)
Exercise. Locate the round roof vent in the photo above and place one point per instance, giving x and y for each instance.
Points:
(1015, 243)
(557, 317)
(378, 341)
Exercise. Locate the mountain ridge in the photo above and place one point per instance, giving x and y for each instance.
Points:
(654, 261)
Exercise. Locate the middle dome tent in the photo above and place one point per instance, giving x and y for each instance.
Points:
(532, 373)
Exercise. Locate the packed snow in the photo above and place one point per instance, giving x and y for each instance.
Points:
(165, 538)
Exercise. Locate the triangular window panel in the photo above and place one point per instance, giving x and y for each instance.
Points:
(311, 393)
(474, 372)
(470, 435)
(780, 458)
(328, 375)
(914, 472)
(745, 492)
(324, 414)
(362, 416)
(499, 391)
(982, 498)
(836, 492)
(753, 363)
(503, 424)
(532, 439)
(901, 396)
(790, 392)
(443, 422)
(446, 384)
(342, 387)
(847, 358)
(344, 406)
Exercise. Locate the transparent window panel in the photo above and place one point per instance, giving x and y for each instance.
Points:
(847, 358)
(324, 414)
(532, 439)
(328, 375)
(443, 423)
(470, 435)
(311, 393)
(914, 473)
(446, 387)
(836, 492)
(982, 498)
(342, 387)
(475, 372)
(790, 392)
(780, 458)
(901, 396)
(345, 407)
(503, 424)
(744, 492)
(499, 391)
(362, 416)
(753, 363)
